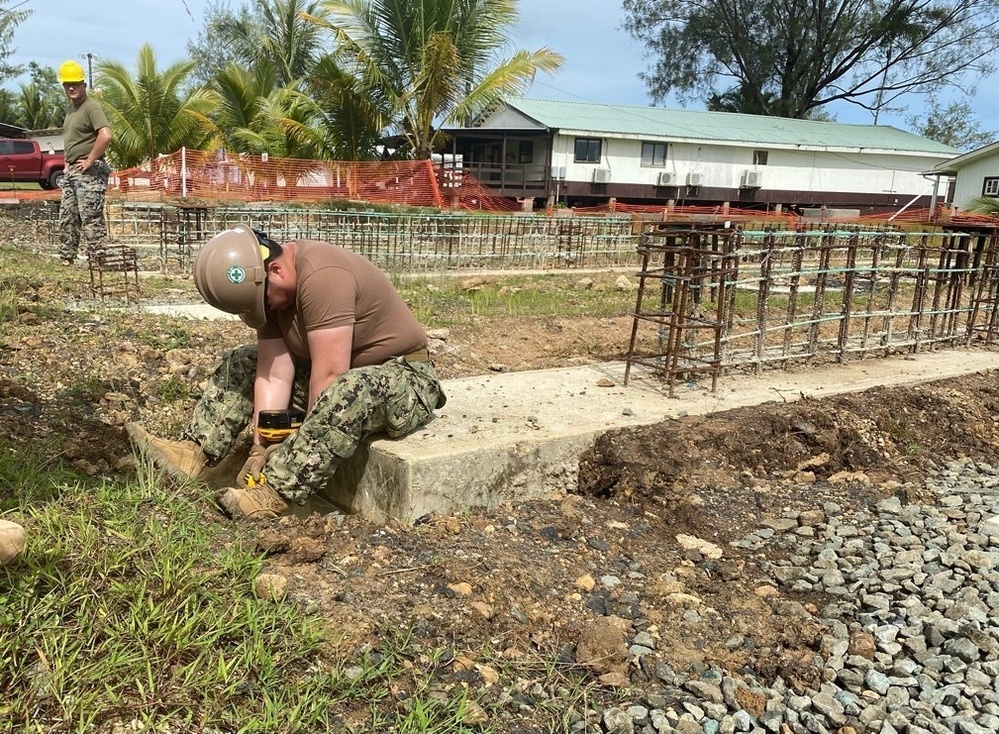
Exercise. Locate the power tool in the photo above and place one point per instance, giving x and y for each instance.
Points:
(274, 426)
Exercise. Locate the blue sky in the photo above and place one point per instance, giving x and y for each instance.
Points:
(602, 61)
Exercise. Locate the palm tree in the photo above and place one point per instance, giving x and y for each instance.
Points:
(271, 33)
(150, 114)
(435, 62)
(351, 118)
(987, 205)
(280, 93)
(255, 115)
(38, 110)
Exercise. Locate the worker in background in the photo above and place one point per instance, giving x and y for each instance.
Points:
(333, 337)
(11, 541)
(86, 136)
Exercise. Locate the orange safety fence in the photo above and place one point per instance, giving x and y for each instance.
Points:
(205, 176)
(212, 177)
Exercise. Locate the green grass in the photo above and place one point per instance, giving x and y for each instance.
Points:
(127, 606)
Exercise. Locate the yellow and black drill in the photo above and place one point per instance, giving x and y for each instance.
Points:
(274, 426)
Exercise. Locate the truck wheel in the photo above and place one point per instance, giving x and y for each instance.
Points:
(55, 180)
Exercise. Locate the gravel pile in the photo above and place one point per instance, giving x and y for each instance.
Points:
(912, 642)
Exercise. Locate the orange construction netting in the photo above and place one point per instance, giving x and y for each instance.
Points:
(202, 176)
(196, 174)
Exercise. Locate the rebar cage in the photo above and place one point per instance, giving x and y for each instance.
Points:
(714, 298)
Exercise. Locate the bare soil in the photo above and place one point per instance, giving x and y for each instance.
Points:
(527, 582)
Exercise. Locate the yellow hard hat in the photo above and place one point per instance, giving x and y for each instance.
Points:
(70, 72)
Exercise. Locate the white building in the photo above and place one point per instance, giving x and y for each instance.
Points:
(585, 153)
(974, 175)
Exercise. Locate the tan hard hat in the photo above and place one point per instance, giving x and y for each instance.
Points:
(229, 273)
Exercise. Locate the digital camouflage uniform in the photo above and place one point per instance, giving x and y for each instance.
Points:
(396, 398)
(81, 213)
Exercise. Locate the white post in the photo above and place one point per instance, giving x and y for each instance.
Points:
(183, 171)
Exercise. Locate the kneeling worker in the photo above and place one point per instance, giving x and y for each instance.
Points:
(333, 337)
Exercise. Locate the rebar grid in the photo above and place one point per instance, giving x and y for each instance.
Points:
(732, 299)
(396, 241)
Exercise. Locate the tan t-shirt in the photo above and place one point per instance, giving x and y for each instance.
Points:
(337, 287)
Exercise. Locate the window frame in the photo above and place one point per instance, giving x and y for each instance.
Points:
(588, 141)
(990, 186)
(760, 157)
(655, 162)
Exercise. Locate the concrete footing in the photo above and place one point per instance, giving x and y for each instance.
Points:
(514, 436)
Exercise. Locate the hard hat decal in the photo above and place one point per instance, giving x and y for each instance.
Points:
(235, 274)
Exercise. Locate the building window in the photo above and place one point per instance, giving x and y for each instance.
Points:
(991, 187)
(654, 154)
(760, 157)
(588, 150)
(526, 152)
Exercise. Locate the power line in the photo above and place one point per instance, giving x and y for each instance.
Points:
(7, 11)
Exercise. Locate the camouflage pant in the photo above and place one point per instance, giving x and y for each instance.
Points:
(395, 398)
(81, 212)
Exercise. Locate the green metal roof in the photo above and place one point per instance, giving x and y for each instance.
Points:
(659, 122)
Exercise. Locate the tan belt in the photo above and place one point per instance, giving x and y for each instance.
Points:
(417, 355)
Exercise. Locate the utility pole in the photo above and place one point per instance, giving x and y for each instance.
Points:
(90, 69)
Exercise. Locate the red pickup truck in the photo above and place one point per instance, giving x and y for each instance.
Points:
(24, 161)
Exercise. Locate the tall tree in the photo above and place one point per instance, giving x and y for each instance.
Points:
(793, 56)
(433, 62)
(41, 103)
(215, 48)
(151, 113)
(273, 33)
(280, 92)
(954, 125)
(10, 19)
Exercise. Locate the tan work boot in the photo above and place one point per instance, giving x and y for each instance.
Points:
(183, 459)
(11, 541)
(254, 503)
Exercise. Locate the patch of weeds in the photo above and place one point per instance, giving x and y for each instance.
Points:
(174, 390)
(34, 473)
(85, 389)
(901, 432)
(170, 336)
(128, 609)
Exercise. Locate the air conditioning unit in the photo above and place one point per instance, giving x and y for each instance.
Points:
(668, 178)
(752, 179)
(694, 178)
(558, 172)
(601, 175)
